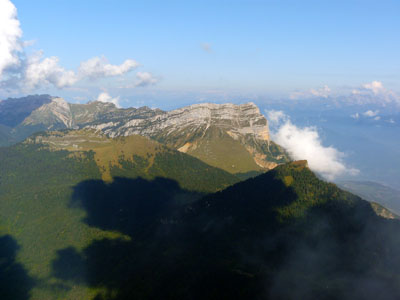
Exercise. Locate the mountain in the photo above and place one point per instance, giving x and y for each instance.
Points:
(37, 182)
(281, 235)
(21, 117)
(13, 111)
(151, 232)
(133, 156)
(373, 191)
(231, 137)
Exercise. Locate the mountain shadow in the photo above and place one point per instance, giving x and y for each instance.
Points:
(15, 283)
(282, 235)
(159, 255)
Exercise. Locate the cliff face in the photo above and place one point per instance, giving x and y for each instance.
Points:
(232, 137)
(237, 120)
(57, 113)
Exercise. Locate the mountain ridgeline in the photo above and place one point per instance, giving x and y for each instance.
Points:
(232, 137)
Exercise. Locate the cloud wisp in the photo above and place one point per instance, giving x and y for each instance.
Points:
(276, 117)
(305, 143)
(98, 67)
(323, 92)
(106, 98)
(145, 79)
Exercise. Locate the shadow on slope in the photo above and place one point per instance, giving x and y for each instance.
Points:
(282, 235)
(15, 283)
(162, 256)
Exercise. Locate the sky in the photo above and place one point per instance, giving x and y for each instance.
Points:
(157, 50)
(167, 54)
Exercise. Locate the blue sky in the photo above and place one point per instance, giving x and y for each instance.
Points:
(207, 48)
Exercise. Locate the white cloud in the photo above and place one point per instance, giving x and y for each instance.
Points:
(106, 98)
(355, 116)
(305, 143)
(18, 71)
(10, 35)
(145, 79)
(375, 86)
(98, 67)
(39, 72)
(275, 117)
(322, 92)
(374, 92)
(371, 113)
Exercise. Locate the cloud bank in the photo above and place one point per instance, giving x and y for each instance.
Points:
(323, 92)
(368, 93)
(19, 71)
(305, 143)
(374, 92)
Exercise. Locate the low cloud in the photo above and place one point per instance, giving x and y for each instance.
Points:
(374, 92)
(145, 79)
(323, 92)
(106, 98)
(371, 113)
(275, 117)
(305, 143)
(368, 93)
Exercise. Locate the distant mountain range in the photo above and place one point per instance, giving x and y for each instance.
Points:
(373, 191)
(231, 137)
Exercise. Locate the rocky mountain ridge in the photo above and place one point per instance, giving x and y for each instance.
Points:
(232, 137)
(237, 119)
(228, 136)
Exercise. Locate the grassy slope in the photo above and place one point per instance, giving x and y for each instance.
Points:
(217, 148)
(220, 150)
(37, 184)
